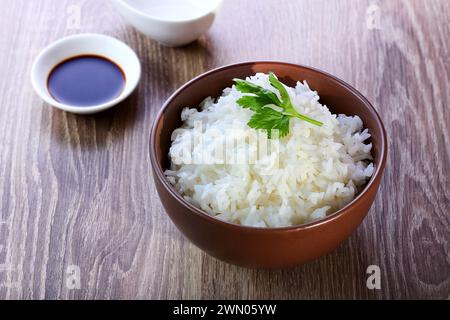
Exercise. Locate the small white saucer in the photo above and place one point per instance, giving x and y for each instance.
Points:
(84, 44)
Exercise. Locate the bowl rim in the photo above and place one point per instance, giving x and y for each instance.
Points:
(146, 15)
(158, 170)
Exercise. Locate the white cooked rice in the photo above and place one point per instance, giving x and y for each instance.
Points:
(320, 169)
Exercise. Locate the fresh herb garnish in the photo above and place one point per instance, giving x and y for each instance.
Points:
(262, 101)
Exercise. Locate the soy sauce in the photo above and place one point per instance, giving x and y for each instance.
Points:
(85, 81)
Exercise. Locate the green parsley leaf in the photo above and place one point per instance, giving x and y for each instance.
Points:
(266, 117)
(248, 87)
(269, 119)
(254, 103)
(286, 100)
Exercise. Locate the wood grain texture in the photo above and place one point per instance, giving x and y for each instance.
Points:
(77, 190)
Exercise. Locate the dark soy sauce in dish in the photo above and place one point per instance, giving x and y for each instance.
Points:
(85, 81)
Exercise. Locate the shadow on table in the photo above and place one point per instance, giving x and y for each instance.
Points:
(340, 274)
(95, 131)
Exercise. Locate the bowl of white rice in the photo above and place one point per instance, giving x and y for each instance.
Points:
(267, 164)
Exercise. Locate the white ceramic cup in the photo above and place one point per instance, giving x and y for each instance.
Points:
(85, 44)
(171, 22)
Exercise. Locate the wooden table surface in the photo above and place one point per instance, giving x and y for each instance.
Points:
(77, 190)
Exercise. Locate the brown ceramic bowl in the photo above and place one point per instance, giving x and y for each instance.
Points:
(265, 247)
